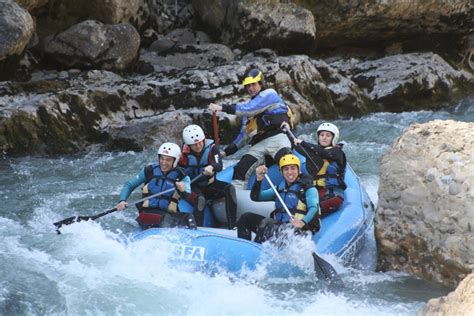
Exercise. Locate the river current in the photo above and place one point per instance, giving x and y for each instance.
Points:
(89, 270)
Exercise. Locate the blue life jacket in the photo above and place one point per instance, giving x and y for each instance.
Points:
(157, 182)
(294, 198)
(194, 167)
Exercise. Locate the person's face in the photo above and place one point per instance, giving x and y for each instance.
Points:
(290, 173)
(253, 88)
(197, 147)
(166, 163)
(325, 138)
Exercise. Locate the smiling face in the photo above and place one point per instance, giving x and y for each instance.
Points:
(253, 88)
(197, 147)
(325, 138)
(166, 163)
(290, 173)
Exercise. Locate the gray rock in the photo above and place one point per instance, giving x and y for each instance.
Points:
(91, 44)
(17, 29)
(430, 220)
(284, 27)
(396, 81)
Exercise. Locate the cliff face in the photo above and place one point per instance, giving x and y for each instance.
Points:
(425, 217)
(417, 24)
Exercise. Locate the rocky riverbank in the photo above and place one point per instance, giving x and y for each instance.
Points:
(112, 76)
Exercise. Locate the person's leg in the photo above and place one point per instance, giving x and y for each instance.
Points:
(246, 163)
(268, 228)
(219, 189)
(247, 224)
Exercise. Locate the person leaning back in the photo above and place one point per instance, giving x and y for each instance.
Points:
(267, 111)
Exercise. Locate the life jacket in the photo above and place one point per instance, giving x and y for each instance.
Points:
(194, 167)
(155, 182)
(269, 121)
(330, 178)
(294, 198)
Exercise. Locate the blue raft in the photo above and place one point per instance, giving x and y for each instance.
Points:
(210, 250)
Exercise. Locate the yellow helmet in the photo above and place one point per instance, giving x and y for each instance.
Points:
(290, 159)
(254, 75)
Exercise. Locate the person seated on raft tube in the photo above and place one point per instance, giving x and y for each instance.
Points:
(161, 211)
(202, 156)
(299, 195)
(326, 164)
(267, 111)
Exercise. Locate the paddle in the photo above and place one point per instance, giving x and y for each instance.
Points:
(292, 138)
(322, 268)
(75, 219)
(215, 127)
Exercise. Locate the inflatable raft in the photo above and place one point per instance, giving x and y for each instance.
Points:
(210, 250)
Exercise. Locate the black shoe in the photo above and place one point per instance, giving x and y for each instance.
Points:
(200, 203)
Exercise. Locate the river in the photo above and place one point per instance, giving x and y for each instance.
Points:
(88, 270)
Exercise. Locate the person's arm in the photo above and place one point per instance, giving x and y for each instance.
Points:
(216, 158)
(334, 153)
(312, 203)
(128, 188)
(256, 194)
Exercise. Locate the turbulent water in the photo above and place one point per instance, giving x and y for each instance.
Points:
(89, 269)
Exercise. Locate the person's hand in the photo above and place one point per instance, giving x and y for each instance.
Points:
(285, 127)
(260, 172)
(297, 141)
(121, 206)
(181, 186)
(297, 223)
(208, 170)
(214, 107)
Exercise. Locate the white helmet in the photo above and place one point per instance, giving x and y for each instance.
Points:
(329, 127)
(193, 134)
(171, 150)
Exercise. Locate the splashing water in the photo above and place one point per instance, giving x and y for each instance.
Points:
(92, 268)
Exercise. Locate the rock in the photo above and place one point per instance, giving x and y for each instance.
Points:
(419, 24)
(459, 302)
(397, 81)
(426, 206)
(31, 4)
(100, 107)
(17, 28)
(251, 25)
(60, 15)
(91, 44)
(186, 56)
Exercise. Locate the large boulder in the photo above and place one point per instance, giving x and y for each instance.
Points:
(59, 15)
(16, 30)
(92, 44)
(250, 25)
(406, 82)
(459, 302)
(366, 23)
(425, 217)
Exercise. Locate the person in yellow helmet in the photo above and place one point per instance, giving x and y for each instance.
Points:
(298, 194)
(263, 115)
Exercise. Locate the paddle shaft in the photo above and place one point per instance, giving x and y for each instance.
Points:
(215, 127)
(74, 219)
(322, 268)
(278, 196)
(292, 138)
